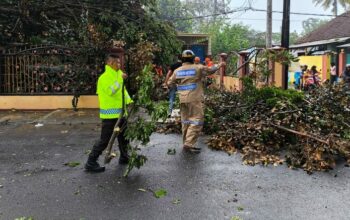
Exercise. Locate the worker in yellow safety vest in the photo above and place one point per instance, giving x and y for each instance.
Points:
(109, 91)
(189, 78)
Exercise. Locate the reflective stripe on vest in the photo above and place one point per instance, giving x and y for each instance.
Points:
(112, 87)
(111, 111)
(193, 122)
(185, 73)
(192, 86)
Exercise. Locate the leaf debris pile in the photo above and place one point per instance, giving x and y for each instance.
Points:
(313, 129)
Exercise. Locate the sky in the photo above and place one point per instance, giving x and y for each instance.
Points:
(257, 20)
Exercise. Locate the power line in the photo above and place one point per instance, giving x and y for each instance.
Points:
(212, 15)
(294, 13)
(261, 19)
(245, 9)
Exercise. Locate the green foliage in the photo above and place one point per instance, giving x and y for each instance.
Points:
(262, 70)
(93, 24)
(135, 161)
(240, 208)
(160, 193)
(160, 111)
(175, 12)
(227, 37)
(145, 85)
(272, 96)
(346, 134)
(330, 4)
(267, 93)
(202, 8)
(267, 135)
(293, 37)
(72, 164)
(141, 129)
(209, 126)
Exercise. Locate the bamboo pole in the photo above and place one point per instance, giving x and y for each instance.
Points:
(300, 133)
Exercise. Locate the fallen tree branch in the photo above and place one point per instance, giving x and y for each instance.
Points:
(346, 124)
(286, 112)
(300, 133)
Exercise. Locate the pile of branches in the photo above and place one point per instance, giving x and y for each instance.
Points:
(271, 126)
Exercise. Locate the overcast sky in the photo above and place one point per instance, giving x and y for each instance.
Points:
(257, 20)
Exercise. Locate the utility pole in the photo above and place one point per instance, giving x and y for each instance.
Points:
(269, 24)
(285, 38)
(215, 9)
(335, 8)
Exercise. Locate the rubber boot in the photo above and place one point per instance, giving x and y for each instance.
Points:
(92, 165)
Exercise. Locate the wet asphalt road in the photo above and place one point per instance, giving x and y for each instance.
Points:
(212, 185)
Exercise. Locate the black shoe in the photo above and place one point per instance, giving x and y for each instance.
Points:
(123, 160)
(94, 167)
(193, 150)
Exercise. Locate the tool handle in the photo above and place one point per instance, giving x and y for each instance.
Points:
(116, 130)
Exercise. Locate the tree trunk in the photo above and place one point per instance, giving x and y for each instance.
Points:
(269, 24)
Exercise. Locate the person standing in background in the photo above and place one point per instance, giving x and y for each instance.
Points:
(346, 74)
(197, 60)
(172, 89)
(334, 75)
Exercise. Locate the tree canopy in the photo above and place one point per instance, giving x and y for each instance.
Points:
(312, 24)
(333, 4)
(85, 22)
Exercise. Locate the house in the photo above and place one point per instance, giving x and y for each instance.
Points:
(329, 43)
(200, 44)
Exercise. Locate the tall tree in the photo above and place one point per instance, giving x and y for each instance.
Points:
(312, 24)
(333, 4)
(293, 37)
(207, 11)
(175, 12)
(86, 22)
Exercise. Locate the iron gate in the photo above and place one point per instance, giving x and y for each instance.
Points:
(49, 70)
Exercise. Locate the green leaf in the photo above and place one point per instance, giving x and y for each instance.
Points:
(171, 151)
(142, 190)
(160, 193)
(72, 164)
(240, 208)
(176, 201)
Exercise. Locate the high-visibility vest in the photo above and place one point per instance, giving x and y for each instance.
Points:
(109, 91)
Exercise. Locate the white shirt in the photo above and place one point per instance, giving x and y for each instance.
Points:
(333, 70)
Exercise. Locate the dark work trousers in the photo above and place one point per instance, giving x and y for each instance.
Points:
(106, 133)
(334, 79)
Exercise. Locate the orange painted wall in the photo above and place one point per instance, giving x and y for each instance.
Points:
(278, 75)
(230, 83)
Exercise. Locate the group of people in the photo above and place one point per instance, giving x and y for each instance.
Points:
(185, 76)
(310, 78)
(307, 78)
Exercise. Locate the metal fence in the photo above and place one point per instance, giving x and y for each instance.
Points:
(48, 69)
